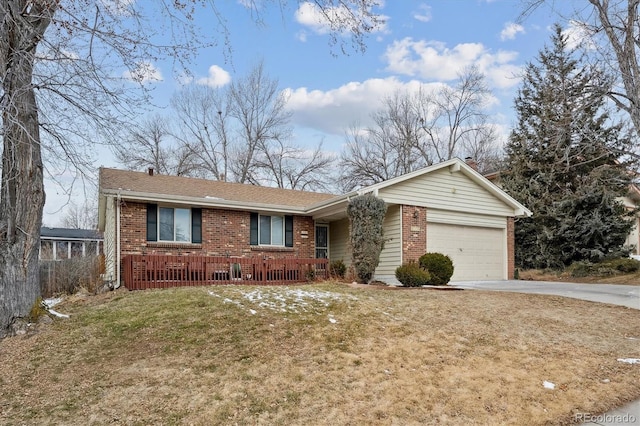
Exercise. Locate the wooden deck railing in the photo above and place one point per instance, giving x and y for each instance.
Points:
(159, 271)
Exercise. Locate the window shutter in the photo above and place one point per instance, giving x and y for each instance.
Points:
(196, 226)
(253, 238)
(288, 231)
(152, 222)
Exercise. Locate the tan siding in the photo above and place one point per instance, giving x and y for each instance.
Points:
(465, 218)
(391, 256)
(339, 241)
(446, 190)
(110, 239)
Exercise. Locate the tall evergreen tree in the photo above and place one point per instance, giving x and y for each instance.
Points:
(565, 162)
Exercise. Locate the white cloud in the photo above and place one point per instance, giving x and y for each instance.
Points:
(578, 36)
(335, 110)
(433, 60)
(510, 31)
(217, 77)
(143, 73)
(118, 7)
(309, 15)
(424, 14)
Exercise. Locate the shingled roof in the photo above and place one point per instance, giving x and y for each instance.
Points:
(114, 180)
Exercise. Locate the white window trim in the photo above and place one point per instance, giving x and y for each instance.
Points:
(260, 243)
(189, 227)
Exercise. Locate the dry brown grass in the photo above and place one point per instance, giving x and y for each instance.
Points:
(346, 356)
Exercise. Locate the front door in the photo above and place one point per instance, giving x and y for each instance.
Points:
(322, 241)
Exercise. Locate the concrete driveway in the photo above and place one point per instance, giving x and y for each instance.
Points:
(623, 295)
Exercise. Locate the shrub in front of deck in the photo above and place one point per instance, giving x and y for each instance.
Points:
(412, 275)
(366, 215)
(337, 269)
(439, 266)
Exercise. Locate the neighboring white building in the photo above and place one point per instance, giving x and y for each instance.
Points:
(632, 201)
(64, 243)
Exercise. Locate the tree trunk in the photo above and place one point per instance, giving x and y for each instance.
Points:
(22, 192)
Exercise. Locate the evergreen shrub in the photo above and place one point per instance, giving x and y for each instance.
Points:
(605, 268)
(440, 267)
(624, 265)
(366, 216)
(412, 275)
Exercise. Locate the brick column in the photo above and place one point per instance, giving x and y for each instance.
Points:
(414, 232)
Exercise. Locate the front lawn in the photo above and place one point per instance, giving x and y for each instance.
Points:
(324, 354)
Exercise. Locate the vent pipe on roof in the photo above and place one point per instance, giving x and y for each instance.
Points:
(150, 171)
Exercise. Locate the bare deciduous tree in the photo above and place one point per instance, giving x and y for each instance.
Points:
(241, 134)
(385, 150)
(258, 106)
(453, 118)
(416, 130)
(284, 166)
(81, 216)
(614, 28)
(201, 121)
(150, 146)
(72, 53)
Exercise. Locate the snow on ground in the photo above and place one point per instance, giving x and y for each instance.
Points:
(50, 303)
(629, 360)
(286, 300)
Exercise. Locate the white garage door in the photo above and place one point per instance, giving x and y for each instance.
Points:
(477, 253)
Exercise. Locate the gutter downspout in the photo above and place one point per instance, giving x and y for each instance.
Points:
(117, 284)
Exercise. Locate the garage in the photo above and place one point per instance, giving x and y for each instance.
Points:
(478, 253)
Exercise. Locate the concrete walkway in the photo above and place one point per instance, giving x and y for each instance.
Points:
(623, 295)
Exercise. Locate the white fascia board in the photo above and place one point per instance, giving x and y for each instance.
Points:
(330, 202)
(206, 202)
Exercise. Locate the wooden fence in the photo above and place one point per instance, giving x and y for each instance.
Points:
(162, 271)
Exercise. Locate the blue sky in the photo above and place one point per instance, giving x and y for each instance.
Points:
(421, 43)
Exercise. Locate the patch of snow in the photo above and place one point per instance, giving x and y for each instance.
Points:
(253, 312)
(332, 320)
(287, 299)
(548, 385)
(50, 303)
(629, 360)
(57, 314)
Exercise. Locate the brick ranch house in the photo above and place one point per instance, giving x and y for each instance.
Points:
(448, 208)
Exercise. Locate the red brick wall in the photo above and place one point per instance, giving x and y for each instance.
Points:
(511, 248)
(414, 232)
(224, 232)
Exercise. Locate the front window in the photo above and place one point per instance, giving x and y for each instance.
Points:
(271, 230)
(174, 224)
(62, 250)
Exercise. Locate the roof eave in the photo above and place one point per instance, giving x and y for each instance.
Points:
(203, 201)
